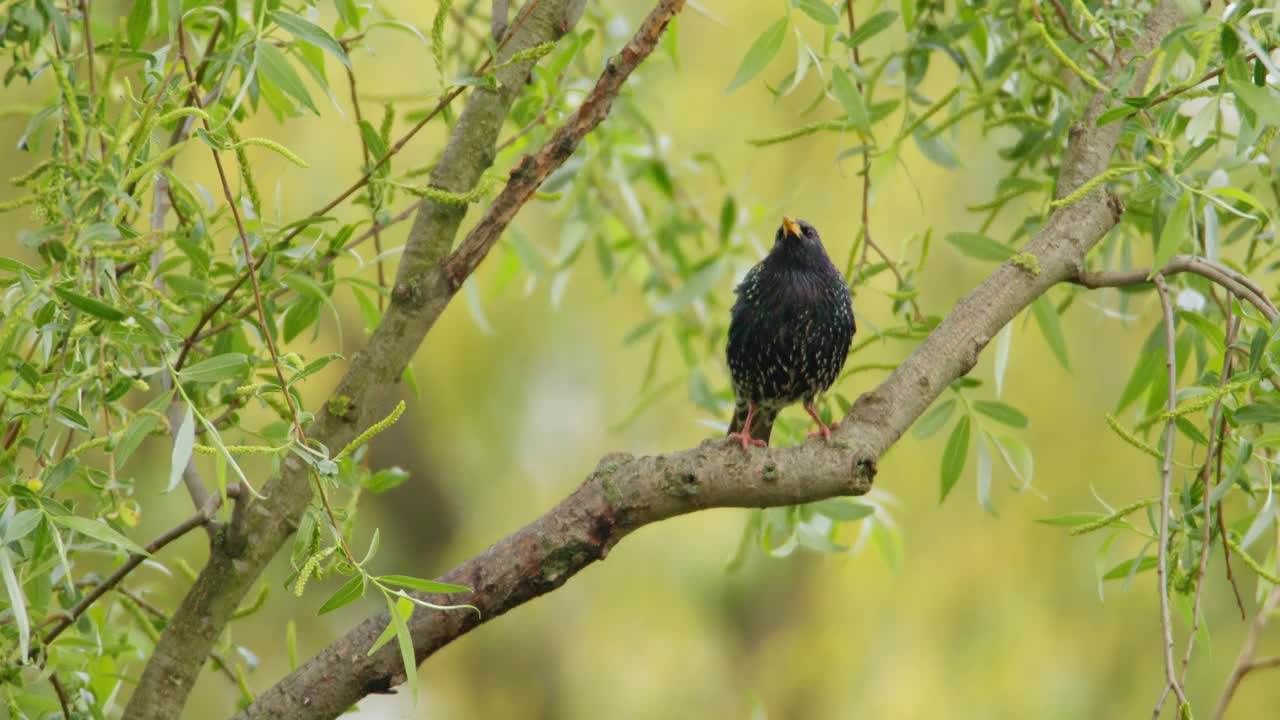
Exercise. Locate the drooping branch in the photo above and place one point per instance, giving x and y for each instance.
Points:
(627, 492)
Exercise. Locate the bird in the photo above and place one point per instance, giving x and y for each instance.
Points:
(790, 330)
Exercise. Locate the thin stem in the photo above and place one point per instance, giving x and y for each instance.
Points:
(63, 700)
(198, 519)
(1075, 34)
(1166, 483)
(1245, 664)
(1236, 283)
(373, 195)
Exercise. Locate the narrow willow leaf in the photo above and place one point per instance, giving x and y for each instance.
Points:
(1173, 235)
(851, 99)
(1004, 343)
(932, 421)
(1001, 413)
(17, 603)
(183, 442)
(819, 10)
(1047, 318)
(876, 24)
(405, 641)
(421, 585)
(1211, 240)
(1128, 568)
(1018, 457)
(953, 456)
(350, 591)
(216, 368)
(307, 32)
(98, 530)
(761, 53)
(94, 307)
(275, 68)
(980, 247)
(402, 607)
(984, 474)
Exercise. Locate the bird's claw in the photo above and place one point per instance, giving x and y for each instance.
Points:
(746, 440)
(824, 431)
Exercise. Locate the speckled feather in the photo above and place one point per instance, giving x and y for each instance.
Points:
(790, 330)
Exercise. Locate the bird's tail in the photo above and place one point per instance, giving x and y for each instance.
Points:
(761, 423)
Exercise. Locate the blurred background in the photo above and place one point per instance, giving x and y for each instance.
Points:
(984, 616)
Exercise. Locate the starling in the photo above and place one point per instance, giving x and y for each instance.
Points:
(790, 331)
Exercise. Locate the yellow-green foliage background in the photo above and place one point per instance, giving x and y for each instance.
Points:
(987, 617)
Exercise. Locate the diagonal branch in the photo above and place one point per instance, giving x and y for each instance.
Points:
(1234, 282)
(626, 492)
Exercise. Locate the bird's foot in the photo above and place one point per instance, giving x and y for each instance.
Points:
(824, 430)
(746, 440)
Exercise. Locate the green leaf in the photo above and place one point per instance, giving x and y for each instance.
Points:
(98, 530)
(385, 479)
(216, 368)
(405, 641)
(350, 591)
(1144, 373)
(843, 509)
(694, 288)
(1018, 457)
(275, 68)
(1173, 235)
(933, 420)
(819, 10)
(313, 34)
(139, 22)
(1001, 413)
(1258, 413)
(984, 475)
(1071, 519)
(421, 585)
(953, 456)
(873, 26)
(847, 93)
(402, 607)
(1125, 568)
(1258, 99)
(19, 526)
(761, 53)
(17, 603)
(1004, 343)
(183, 442)
(1047, 318)
(980, 247)
(94, 307)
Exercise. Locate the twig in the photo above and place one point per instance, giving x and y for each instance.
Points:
(1217, 438)
(198, 519)
(1174, 92)
(1233, 281)
(1166, 483)
(373, 195)
(63, 700)
(533, 170)
(1245, 664)
(1075, 34)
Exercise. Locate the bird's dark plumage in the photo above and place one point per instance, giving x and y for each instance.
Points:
(790, 331)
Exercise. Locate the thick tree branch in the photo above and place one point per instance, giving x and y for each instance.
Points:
(260, 527)
(626, 492)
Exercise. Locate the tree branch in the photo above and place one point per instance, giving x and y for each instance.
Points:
(1241, 285)
(259, 528)
(1246, 664)
(1166, 484)
(626, 492)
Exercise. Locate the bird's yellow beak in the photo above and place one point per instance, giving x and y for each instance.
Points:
(791, 227)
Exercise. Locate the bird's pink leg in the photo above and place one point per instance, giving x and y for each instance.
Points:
(823, 429)
(744, 436)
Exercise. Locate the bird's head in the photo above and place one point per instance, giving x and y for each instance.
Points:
(797, 235)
